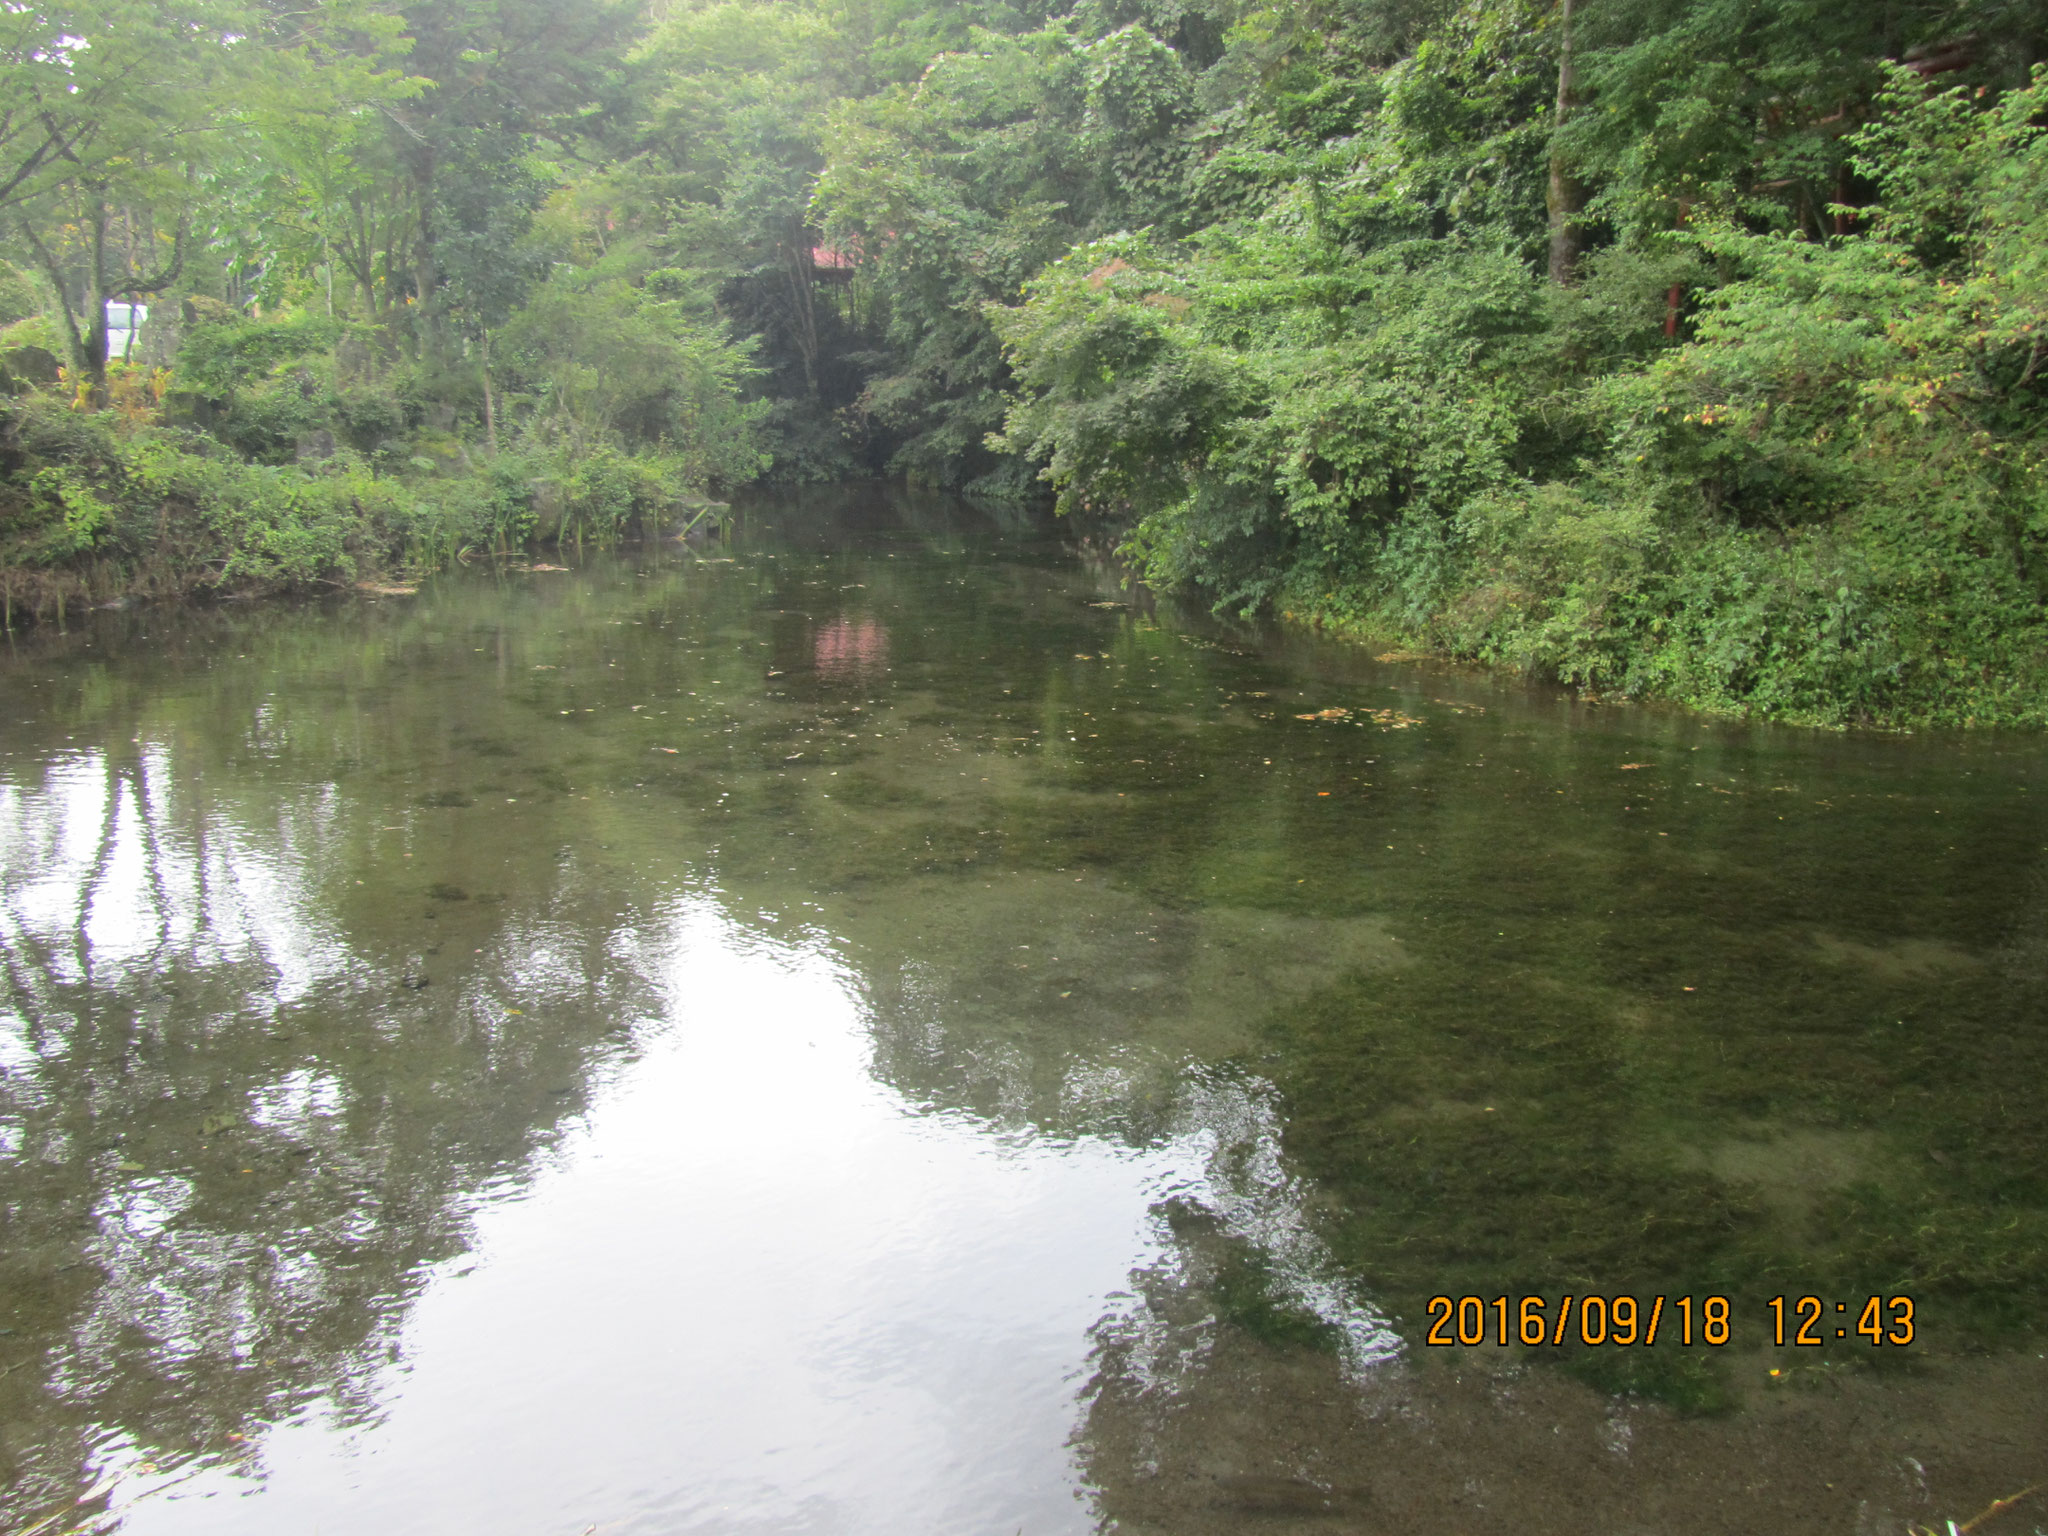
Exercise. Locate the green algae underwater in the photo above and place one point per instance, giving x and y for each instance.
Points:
(1391, 980)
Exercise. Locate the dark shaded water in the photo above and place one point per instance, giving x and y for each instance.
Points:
(866, 1029)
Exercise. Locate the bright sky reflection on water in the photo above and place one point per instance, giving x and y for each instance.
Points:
(755, 1291)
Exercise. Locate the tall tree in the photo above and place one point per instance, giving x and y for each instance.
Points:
(105, 112)
(114, 117)
(1566, 197)
(510, 85)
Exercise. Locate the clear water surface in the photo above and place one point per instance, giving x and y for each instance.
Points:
(871, 1027)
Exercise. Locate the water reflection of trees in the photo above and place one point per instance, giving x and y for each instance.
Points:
(198, 987)
(238, 1142)
(234, 1140)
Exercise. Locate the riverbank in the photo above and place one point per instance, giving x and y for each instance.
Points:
(98, 508)
(154, 515)
(1894, 623)
(1747, 631)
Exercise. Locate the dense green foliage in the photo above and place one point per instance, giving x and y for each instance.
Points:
(1815, 492)
(1669, 347)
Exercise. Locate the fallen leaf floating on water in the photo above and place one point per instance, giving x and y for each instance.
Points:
(1392, 719)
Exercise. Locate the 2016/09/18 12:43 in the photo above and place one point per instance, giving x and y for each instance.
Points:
(1626, 1320)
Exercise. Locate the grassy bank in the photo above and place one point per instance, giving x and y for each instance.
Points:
(1827, 627)
(272, 458)
(96, 510)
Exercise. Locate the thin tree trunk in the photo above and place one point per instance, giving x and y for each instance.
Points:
(67, 309)
(95, 315)
(426, 277)
(490, 404)
(1676, 296)
(1566, 197)
(85, 315)
(362, 259)
(798, 265)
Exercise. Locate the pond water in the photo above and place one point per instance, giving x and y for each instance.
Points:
(870, 1027)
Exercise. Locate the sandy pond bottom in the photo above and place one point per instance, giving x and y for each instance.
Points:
(866, 1028)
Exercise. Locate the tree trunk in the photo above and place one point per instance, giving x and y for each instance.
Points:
(490, 404)
(426, 277)
(1566, 197)
(361, 259)
(804, 315)
(83, 308)
(84, 312)
(94, 360)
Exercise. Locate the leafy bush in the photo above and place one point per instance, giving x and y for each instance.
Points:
(1826, 502)
(224, 355)
(604, 360)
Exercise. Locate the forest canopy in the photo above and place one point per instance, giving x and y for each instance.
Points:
(1690, 348)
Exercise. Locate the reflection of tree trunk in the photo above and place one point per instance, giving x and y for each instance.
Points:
(1566, 197)
(152, 858)
(28, 977)
(110, 826)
